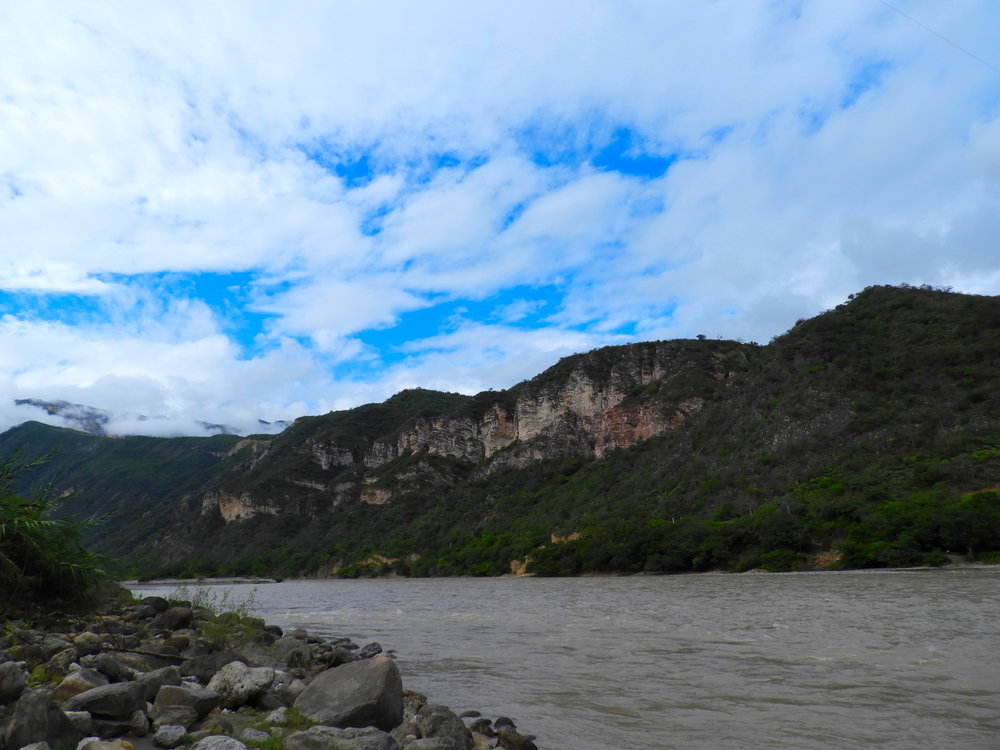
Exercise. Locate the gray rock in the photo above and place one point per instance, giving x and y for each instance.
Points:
(153, 681)
(38, 719)
(254, 735)
(205, 666)
(12, 682)
(61, 661)
(96, 743)
(201, 700)
(333, 738)
(78, 682)
(37, 746)
(438, 721)
(286, 688)
(183, 716)
(361, 694)
(87, 643)
(139, 723)
(150, 656)
(169, 735)
(140, 612)
(81, 720)
(431, 743)
(111, 666)
(156, 602)
(369, 650)
(239, 684)
(218, 742)
(117, 700)
(172, 618)
(53, 644)
(277, 718)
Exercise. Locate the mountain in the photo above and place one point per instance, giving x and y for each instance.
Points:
(866, 436)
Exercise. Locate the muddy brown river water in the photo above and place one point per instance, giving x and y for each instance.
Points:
(874, 659)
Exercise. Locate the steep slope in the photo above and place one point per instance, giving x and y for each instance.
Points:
(869, 435)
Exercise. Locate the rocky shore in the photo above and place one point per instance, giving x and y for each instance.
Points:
(159, 674)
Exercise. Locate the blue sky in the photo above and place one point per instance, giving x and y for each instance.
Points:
(237, 211)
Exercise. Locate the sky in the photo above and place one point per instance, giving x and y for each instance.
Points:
(236, 211)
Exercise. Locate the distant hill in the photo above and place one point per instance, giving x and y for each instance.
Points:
(866, 436)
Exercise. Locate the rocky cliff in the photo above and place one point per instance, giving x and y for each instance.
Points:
(585, 406)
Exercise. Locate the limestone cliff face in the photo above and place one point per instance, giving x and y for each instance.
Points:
(586, 405)
(235, 507)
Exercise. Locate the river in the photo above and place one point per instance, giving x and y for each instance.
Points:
(887, 659)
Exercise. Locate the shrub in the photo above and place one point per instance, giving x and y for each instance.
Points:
(41, 557)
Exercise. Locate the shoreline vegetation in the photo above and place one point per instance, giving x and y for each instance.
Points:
(176, 674)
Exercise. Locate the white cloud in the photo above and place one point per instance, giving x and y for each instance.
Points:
(823, 146)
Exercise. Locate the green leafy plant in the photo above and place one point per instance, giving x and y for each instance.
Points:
(41, 556)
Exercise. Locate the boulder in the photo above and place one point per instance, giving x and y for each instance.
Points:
(38, 719)
(150, 656)
(254, 735)
(153, 681)
(438, 721)
(156, 602)
(181, 716)
(202, 701)
(78, 682)
(12, 682)
(333, 738)
(117, 700)
(204, 667)
(53, 644)
(172, 618)
(95, 743)
(169, 735)
(87, 643)
(239, 684)
(361, 694)
(81, 720)
(218, 742)
(111, 666)
(140, 612)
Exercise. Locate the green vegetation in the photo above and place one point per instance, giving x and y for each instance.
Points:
(41, 557)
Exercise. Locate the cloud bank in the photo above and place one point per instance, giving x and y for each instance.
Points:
(229, 212)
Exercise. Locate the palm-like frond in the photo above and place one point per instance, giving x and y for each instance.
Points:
(40, 553)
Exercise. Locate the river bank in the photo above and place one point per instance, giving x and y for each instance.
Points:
(174, 675)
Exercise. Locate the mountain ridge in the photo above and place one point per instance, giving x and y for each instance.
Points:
(893, 395)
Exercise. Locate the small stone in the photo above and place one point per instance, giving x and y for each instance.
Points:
(369, 650)
(169, 735)
(36, 746)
